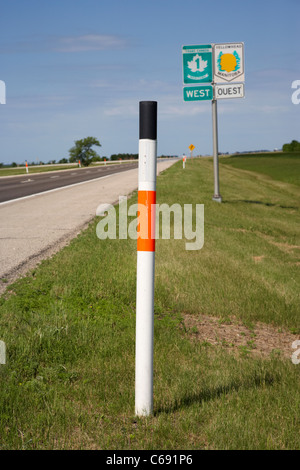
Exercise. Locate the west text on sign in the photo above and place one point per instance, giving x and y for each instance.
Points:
(198, 93)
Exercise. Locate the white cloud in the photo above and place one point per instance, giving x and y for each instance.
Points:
(271, 109)
(83, 43)
(40, 102)
(90, 42)
(169, 107)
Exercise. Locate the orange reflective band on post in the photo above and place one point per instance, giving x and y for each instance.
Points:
(146, 221)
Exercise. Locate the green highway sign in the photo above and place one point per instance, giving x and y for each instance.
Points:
(198, 93)
(197, 64)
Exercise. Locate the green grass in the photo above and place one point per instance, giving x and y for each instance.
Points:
(69, 327)
(257, 219)
(44, 169)
(279, 166)
(33, 170)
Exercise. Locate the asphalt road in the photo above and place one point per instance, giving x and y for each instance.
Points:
(15, 187)
(34, 228)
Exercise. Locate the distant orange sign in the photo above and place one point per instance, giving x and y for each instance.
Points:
(191, 147)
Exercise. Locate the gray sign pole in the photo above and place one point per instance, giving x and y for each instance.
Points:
(217, 197)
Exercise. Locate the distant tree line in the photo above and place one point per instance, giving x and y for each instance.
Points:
(167, 156)
(83, 152)
(95, 158)
(294, 146)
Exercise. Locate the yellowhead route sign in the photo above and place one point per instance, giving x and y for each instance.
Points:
(228, 62)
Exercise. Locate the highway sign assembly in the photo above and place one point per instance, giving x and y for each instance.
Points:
(197, 64)
(219, 67)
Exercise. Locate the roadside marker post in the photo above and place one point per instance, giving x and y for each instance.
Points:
(183, 161)
(26, 165)
(79, 164)
(145, 259)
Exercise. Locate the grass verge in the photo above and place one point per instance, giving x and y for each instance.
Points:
(44, 169)
(69, 327)
(279, 166)
(33, 170)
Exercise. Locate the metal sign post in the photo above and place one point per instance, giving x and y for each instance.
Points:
(216, 197)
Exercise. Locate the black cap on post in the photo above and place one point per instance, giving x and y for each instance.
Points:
(148, 120)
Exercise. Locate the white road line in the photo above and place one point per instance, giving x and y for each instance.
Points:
(58, 189)
(26, 181)
(54, 176)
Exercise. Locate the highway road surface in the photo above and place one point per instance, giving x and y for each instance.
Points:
(35, 226)
(14, 187)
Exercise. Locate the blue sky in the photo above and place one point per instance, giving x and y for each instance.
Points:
(78, 68)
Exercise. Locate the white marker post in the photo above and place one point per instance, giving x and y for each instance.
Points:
(145, 259)
(26, 165)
